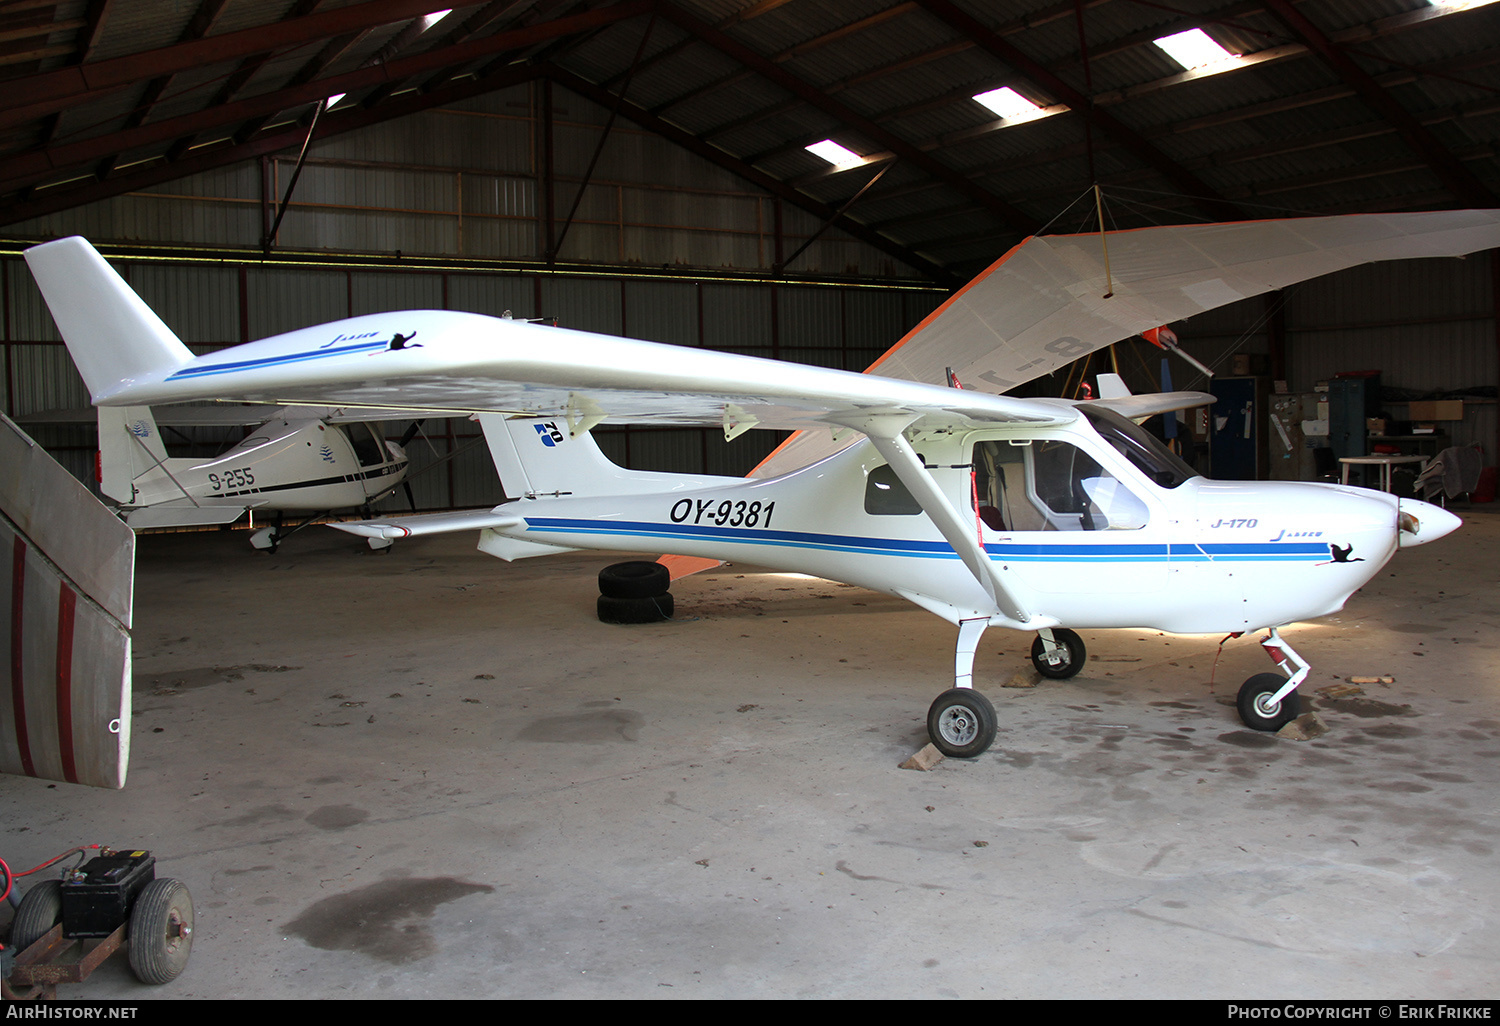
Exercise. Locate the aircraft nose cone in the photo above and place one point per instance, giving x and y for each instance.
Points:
(1421, 522)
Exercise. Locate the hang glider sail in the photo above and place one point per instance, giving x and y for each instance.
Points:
(1043, 305)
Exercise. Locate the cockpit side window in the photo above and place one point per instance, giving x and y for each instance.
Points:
(367, 448)
(1145, 452)
(1051, 485)
(1000, 488)
(885, 495)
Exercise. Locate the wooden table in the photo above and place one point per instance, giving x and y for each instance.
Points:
(1383, 462)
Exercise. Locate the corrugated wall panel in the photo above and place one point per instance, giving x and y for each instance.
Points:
(673, 451)
(662, 311)
(379, 291)
(27, 319)
(590, 243)
(737, 317)
(810, 318)
(673, 248)
(46, 380)
(688, 209)
(1394, 291)
(200, 304)
(500, 239)
(493, 294)
(584, 304)
(284, 299)
(499, 195)
(220, 207)
(366, 231)
(1424, 357)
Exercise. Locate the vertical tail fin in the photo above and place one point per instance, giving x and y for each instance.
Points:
(540, 457)
(111, 333)
(129, 446)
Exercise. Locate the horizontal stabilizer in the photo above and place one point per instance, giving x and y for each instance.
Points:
(185, 515)
(1137, 407)
(396, 528)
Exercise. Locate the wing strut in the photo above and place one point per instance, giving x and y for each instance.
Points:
(885, 434)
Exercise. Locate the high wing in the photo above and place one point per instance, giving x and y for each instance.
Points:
(446, 361)
(230, 415)
(1049, 301)
(473, 363)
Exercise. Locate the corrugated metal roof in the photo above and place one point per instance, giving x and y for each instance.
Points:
(755, 81)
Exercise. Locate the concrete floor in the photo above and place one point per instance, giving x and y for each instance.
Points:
(431, 774)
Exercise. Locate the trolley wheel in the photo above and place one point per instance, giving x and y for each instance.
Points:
(161, 931)
(38, 912)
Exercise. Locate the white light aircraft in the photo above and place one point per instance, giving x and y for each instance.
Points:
(1042, 515)
(304, 461)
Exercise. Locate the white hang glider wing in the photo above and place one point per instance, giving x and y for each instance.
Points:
(1048, 301)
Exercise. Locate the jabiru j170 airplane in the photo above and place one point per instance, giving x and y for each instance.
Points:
(1044, 515)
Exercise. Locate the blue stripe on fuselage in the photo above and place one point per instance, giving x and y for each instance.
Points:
(1101, 552)
(274, 361)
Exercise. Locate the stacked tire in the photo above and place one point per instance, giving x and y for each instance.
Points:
(635, 592)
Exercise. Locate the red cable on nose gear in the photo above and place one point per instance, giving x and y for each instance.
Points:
(1215, 669)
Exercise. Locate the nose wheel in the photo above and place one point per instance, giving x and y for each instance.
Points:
(1259, 707)
(1061, 656)
(1269, 701)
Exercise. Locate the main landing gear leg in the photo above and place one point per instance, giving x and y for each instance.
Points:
(961, 722)
(268, 538)
(1268, 701)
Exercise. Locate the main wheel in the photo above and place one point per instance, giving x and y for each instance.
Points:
(961, 723)
(39, 912)
(161, 931)
(1060, 665)
(1256, 707)
(638, 578)
(636, 610)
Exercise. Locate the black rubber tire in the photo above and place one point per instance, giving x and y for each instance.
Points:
(961, 723)
(1077, 655)
(40, 910)
(636, 610)
(1253, 710)
(161, 931)
(635, 579)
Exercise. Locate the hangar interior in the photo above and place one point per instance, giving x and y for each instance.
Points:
(559, 817)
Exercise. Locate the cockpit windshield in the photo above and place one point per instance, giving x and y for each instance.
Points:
(1161, 465)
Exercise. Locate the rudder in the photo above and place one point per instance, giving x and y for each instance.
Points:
(112, 335)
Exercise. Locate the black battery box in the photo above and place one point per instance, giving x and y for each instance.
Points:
(97, 897)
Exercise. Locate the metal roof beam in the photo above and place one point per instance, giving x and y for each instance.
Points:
(775, 186)
(1142, 150)
(1455, 176)
(207, 158)
(38, 165)
(36, 95)
(1019, 220)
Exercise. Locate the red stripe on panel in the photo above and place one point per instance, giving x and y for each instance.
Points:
(17, 684)
(66, 602)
